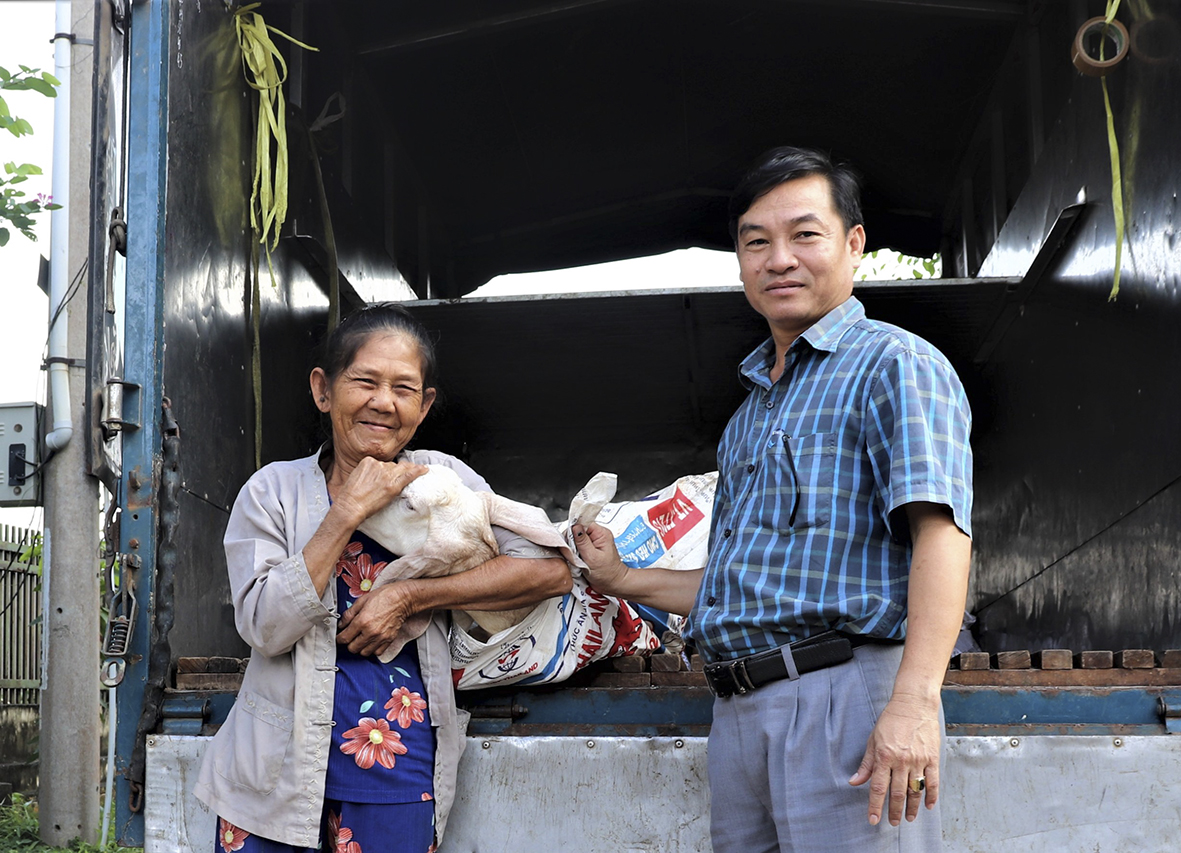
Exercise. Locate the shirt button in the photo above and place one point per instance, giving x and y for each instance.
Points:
(770, 404)
(711, 601)
(750, 469)
(726, 533)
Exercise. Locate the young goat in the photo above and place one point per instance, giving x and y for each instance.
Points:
(440, 527)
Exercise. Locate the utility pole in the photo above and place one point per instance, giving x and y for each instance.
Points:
(70, 738)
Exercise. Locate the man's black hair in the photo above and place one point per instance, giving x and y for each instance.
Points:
(787, 163)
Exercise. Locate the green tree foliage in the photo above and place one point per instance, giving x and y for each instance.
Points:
(888, 265)
(19, 832)
(14, 208)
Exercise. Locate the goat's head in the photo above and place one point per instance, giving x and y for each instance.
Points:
(436, 507)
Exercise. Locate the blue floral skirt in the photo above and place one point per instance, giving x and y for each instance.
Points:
(348, 828)
(383, 747)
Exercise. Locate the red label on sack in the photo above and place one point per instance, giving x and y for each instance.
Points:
(593, 641)
(674, 517)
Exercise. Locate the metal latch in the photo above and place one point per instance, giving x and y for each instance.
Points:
(121, 611)
(113, 421)
(1170, 710)
(498, 710)
(184, 715)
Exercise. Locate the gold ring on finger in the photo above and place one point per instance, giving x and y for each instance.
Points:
(918, 784)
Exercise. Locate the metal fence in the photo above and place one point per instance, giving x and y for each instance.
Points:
(20, 618)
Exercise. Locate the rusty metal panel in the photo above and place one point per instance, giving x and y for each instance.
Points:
(1056, 793)
(1078, 465)
(1042, 794)
(540, 793)
(174, 820)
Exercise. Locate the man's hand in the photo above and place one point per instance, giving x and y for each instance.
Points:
(668, 589)
(373, 622)
(605, 571)
(904, 745)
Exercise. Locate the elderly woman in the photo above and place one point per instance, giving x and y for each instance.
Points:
(326, 747)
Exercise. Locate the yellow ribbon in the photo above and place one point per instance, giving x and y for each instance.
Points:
(266, 71)
(1117, 191)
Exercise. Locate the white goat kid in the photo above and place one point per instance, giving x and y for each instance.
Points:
(441, 527)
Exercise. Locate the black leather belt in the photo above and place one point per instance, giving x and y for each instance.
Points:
(742, 675)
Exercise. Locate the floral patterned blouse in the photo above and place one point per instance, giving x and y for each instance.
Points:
(383, 746)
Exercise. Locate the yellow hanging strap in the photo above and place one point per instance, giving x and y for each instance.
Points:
(1117, 191)
(255, 352)
(266, 72)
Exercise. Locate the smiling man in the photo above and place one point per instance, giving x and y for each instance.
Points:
(839, 546)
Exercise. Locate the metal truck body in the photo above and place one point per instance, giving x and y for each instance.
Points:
(543, 135)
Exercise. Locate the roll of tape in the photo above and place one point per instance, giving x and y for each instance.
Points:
(1156, 41)
(1086, 63)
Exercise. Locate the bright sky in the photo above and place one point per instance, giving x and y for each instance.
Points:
(682, 268)
(25, 29)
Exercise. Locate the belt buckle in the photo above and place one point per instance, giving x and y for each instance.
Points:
(713, 678)
(729, 677)
(743, 684)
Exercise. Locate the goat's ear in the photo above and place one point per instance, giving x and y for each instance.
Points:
(489, 538)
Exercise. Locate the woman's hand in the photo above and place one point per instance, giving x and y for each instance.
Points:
(605, 571)
(368, 488)
(372, 485)
(373, 622)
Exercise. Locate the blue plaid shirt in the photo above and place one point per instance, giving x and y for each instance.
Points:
(804, 537)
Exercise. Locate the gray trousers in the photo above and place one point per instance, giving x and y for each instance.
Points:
(780, 759)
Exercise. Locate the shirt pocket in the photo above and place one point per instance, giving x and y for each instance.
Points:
(805, 466)
(262, 735)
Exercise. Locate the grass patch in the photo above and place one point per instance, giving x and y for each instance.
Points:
(19, 826)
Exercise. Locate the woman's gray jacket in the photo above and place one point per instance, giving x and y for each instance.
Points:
(264, 769)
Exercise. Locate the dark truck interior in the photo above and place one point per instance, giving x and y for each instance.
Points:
(527, 136)
(479, 139)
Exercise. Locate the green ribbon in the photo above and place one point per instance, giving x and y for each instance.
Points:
(1117, 190)
(265, 71)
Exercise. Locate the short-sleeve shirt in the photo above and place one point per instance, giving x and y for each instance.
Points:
(812, 469)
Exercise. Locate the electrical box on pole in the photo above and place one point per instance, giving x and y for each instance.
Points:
(20, 454)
